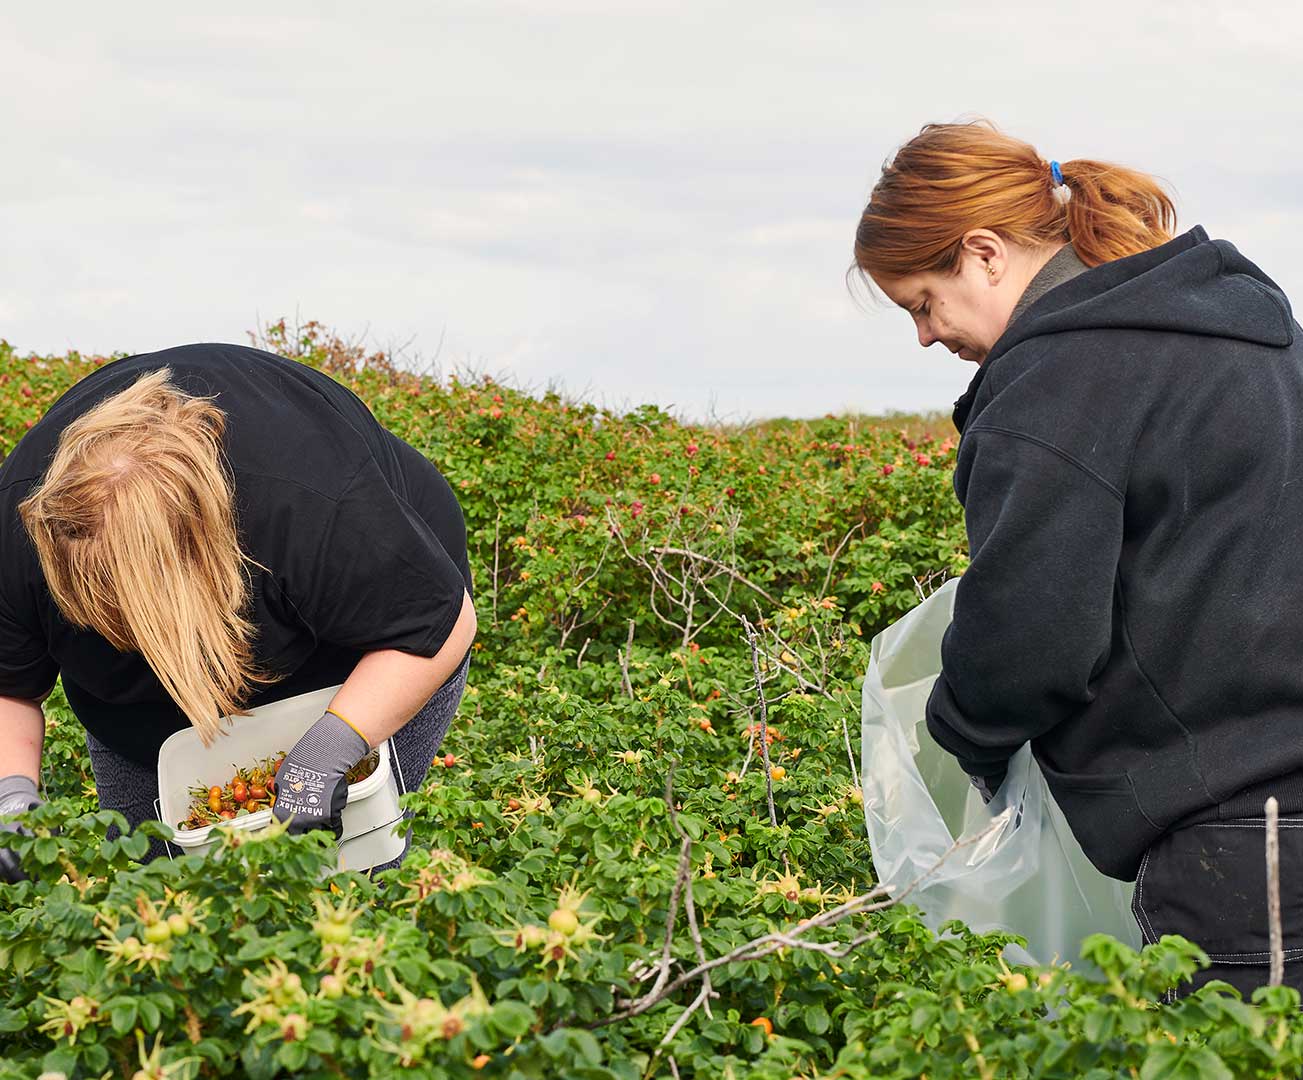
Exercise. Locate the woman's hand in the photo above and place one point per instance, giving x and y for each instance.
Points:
(17, 795)
(987, 786)
(310, 785)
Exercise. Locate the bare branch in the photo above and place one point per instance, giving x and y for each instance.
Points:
(684, 553)
(677, 1026)
(496, 526)
(850, 753)
(792, 938)
(688, 904)
(833, 559)
(802, 682)
(764, 730)
(1273, 893)
(624, 660)
(751, 747)
(918, 585)
(681, 879)
(706, 993)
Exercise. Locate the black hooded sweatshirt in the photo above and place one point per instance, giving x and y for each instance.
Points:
(1131, 470)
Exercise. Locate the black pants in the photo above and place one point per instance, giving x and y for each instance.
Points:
(1208, 883)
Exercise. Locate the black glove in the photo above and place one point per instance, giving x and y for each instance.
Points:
(310, 785)
(987, 786)
(17, 795)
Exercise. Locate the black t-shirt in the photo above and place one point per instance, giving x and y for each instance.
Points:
(364, 538)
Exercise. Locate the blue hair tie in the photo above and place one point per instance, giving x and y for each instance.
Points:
(1054, 172)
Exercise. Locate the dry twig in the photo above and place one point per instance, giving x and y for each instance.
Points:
(764, 718)
(685, 876)
(927, 581)
(684, 553)
(624, 660)
(497, 525)
(855, 773)
(764, 730)
(833, 558)
(793, 938)
(1273, 894)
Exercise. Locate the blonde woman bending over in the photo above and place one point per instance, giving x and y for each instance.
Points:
(191, 533)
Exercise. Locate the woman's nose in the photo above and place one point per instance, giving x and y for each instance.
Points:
(925, 335)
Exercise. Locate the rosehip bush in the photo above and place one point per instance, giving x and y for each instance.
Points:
(599, 826)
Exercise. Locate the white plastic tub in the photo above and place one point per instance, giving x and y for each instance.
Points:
(184, 762)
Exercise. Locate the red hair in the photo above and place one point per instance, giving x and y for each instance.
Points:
(952, 178)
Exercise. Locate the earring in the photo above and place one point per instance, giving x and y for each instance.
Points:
(990, 269)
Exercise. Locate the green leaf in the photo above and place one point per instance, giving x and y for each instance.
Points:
(817, 1019)
(1100, 1025)
(586, 1045)
(135, 845)
(293, 1056)
(122, 1017)
(512, 1018)
(62, 1060)
(1168, 1062)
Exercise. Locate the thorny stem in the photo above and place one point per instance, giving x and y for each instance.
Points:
(194, 1030)
(74, 875)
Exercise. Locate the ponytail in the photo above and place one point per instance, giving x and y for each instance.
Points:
(952, 178)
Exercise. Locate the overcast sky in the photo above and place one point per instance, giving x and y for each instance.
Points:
(636, 202)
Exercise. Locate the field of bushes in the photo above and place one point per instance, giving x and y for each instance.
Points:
(642, 850)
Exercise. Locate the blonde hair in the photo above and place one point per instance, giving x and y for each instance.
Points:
(951, 178)
(135, 528)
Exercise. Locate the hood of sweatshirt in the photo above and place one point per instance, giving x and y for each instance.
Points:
(1190, 285)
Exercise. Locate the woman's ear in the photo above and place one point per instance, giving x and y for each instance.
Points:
(989, 249)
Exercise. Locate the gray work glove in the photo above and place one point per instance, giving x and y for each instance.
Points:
(310, 785)
(17, 795)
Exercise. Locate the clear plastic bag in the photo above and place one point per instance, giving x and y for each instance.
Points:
(1029, 875)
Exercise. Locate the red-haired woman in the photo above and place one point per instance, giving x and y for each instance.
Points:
(192, 533)
(1131, 470)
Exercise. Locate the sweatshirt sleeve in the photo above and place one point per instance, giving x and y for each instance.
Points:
(1032, 623)
(26, 668)
(379, 578)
